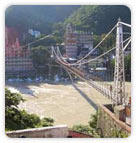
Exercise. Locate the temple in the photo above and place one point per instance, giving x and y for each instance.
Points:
(17, 58)
(77, 43)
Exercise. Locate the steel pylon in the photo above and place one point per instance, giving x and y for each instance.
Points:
(119, 74)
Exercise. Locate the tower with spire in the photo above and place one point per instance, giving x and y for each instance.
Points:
(77, 43)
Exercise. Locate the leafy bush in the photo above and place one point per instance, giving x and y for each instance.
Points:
(47, 122)
(12, 99)
(16, 119)
(82, 128)
(119, 134)
(93, 121)
(90, 129)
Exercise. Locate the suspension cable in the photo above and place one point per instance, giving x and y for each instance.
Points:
(88, 61)
(59, 51)
(126, 24)
(126, 45)
(69, 75)
(100, 43)
(105, 53)
(102, 54)
(96, 45)
(42, 38)
(126, 39)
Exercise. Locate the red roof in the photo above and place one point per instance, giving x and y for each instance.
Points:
(75, 134)
(11, 35)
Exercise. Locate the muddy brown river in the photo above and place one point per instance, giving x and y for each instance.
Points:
(65, 103)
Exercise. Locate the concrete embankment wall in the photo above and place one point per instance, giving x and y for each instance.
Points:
(46, 132)
(109, 125)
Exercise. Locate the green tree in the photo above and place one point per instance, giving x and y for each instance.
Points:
(43, 62)
(38, 17)
(40, 56)
(47, 122)
(90, 129)
(128, 67)
(127, 64)
(98, 18)
(16, 119)
(82, 128)
(48, 41)
(12, 99)
(93, 121)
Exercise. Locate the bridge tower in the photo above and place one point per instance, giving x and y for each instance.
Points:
(119, 75)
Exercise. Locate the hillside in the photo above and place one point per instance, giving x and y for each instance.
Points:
(98, 18)
(37, 16)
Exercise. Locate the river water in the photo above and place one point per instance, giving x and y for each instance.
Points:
(65, 103)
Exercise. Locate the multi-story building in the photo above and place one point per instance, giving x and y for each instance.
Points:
(77, 43)
(71, 42)
(85, 42)
(80, 43)
(17, 58)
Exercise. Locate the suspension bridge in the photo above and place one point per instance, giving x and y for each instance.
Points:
(115, 92)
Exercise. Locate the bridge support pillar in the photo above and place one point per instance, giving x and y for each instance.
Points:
(119, 75)
(120, 112)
